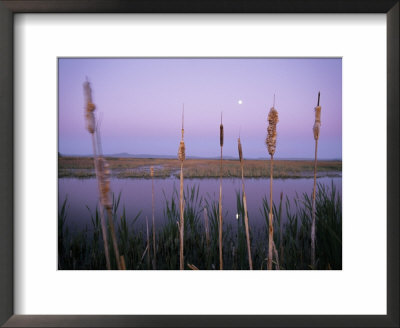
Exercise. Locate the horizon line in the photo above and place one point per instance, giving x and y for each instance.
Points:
(151, 156)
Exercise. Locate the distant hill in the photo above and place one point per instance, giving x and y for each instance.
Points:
(127, 155)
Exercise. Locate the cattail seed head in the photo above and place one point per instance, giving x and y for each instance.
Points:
(240, 150)
(89, 109)
(317, 123)
(318, 114)
(181, 151)
(271, 131)
(221, 135)
(152, 171)
(316, 129)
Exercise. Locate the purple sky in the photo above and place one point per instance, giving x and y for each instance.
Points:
(139, 105)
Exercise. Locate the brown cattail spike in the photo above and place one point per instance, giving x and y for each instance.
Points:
(240, 150)
(181, 150)
(317, 123)
(271, 131)
(221, 133)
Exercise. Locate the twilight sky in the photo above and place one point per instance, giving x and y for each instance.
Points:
(139, 105)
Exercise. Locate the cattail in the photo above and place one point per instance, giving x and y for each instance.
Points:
(108, 207)
(271, 136)
(104, 174)
(90, 126)
(316, 128)
(89, 109)
(104, 177)
(181, 156)
(221, 133)
(240, 150)
(181, 151)
(123, 265)
(221, 142)
(246, 218)
(271, 145)
(152, 205)
(105, 197)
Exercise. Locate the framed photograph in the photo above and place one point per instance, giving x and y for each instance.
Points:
(197, 164)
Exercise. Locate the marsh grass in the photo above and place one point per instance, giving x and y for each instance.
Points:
(84, 249)
(82, 167)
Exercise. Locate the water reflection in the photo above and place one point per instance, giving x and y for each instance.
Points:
(136, 196)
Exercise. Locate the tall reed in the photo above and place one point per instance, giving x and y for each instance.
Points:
(106, 201)
(221, 142)
(246, 219)
(91, 127)
(148, 243)
(181, 156)
(152, 207)
(316, 128)
(271, 145)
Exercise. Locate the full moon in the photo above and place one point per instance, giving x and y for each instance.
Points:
(240, 102)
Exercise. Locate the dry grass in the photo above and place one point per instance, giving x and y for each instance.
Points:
(83, 167)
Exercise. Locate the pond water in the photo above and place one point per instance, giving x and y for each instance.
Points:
(136, 196)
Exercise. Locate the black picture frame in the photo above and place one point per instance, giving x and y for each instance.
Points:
(7, 11)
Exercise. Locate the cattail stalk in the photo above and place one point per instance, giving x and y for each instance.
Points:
(104, 174)
(114, 238)
(152, 205)
(221, 142)
(91, 127)
(123, 265)
(316, 128)
(271, 145)
(181, 156)
(246, 219)
(148, 243)
(281, 231)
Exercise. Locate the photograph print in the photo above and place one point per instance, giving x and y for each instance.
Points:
(200, 163)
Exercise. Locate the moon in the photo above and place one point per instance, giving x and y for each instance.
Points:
(240, 102)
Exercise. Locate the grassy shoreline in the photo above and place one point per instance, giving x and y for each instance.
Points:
(83, 249)
(82, 167)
